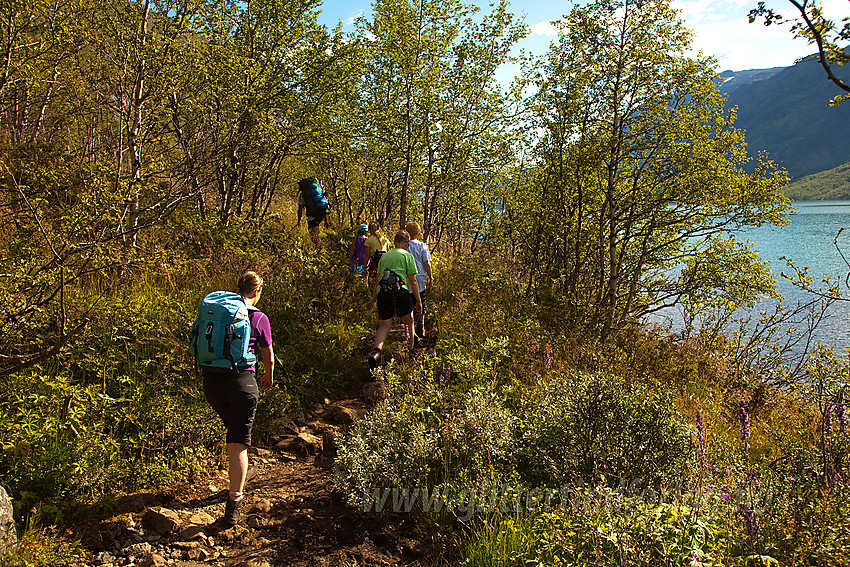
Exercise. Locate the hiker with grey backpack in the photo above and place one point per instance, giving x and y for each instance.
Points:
(395, 294)
(226, 339)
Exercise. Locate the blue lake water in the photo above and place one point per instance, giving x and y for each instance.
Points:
(809, 242)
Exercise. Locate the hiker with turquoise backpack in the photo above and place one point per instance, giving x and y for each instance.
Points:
(313, 198)
(226, 338)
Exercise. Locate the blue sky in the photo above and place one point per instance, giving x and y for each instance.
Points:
(721, 28)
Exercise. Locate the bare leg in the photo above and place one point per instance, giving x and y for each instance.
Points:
(237, 455)
(419, 324)
(384, 327)
(314, 235)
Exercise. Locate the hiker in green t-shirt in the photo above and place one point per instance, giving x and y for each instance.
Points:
(397, 272)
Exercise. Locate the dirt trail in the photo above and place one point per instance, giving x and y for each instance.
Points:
(296, 518)
(292, 515)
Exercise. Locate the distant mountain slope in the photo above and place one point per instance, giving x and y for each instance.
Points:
(732, 80)
(833, 184)
(785, 111)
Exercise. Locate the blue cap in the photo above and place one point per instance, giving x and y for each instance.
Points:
(362, 228)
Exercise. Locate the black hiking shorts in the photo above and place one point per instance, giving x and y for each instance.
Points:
(394, 303)
(313, 222)
(373, 263)
(233, 396)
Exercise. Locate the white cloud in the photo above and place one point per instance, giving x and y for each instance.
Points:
(722, 29)
(739, 45)
(544, 28)
(353, 17)
(695, 11)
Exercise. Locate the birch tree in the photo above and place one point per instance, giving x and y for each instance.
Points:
(639, 185)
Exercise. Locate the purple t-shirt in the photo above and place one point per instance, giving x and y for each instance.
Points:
(359, 256)
(261, 333)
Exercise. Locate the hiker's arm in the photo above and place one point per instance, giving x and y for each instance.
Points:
(267, 354)
(428, 281)
(414, 285)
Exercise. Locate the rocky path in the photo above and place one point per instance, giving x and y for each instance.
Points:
(293, 516)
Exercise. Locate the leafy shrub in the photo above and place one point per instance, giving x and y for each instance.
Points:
(604, 532)
(476, 439)
(119, 411)
(801, 519)
(394, 446)
(479, 311)
(66, 442)
(44, 546)
(599, 425)
(425, 439)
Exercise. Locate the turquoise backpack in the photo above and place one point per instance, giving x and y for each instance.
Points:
(314, 196)
(221, 334)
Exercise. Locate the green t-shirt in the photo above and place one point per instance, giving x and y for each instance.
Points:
(399, 261)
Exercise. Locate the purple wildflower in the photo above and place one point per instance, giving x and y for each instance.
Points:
(537, 379)
(827, 419)
(750, 525)
(406, 333)
(832, 475)
(840, 410)
(744, 420)
(442, 379)
(547, 359)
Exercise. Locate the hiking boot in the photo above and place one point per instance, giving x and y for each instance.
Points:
(232, 512)
(374, 358)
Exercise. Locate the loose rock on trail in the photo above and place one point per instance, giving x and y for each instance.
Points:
(292, 515)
